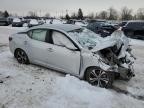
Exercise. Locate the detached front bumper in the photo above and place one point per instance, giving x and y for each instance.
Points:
(126, 73)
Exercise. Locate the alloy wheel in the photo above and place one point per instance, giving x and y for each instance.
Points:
(99, 77)
(21, 57)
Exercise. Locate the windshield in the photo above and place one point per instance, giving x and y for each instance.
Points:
(85, 37)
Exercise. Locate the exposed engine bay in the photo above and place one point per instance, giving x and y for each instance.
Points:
(120, 56)
(113, 52)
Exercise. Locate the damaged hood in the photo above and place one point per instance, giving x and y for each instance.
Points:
(94, 42)
(117, 38)
(104, 44)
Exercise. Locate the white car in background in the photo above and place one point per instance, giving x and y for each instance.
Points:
(33, 22)
(57, 21)
(54, 21)
(48, 21)
(74, 50)
(81, 23)
(17, 22)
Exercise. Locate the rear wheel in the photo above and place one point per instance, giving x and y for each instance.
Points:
(21, 57)
(99, 77)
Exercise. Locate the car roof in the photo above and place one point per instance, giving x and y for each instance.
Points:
(62, 27)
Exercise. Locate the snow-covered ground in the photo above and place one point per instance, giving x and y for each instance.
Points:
(30, 86)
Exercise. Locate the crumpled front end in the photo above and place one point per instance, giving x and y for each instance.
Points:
(117, 54)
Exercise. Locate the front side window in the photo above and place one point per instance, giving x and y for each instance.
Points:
(60, 39)
(39, 35)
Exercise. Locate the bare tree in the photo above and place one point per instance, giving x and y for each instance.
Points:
(67, 17)
(91, 16)
(32, 14)
(47, 15)
(15, 15)
(73, 15)
(97, 16)
(140, 14)
(126, 14)
(113, 14)
(103, 15)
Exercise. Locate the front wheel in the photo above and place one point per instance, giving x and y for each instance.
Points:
(21, 57)
(99, 77)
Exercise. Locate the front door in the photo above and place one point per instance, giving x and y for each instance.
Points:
(62, 57)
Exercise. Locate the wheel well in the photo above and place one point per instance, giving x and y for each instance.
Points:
(87, 69)
(16, 51)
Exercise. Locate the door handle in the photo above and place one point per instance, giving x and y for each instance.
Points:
(50, 49)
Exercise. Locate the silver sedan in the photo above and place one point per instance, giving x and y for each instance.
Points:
(71, 49)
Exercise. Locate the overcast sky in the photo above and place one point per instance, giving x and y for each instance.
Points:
(59, 7)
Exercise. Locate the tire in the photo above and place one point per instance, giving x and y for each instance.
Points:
(99, 77)
(21, 56)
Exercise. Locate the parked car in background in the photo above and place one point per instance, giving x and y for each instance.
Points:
(77, 22)
(123, 23)
(107, 30)
(95, 27)
(134, 29)
(113, 23)
(81, 23)
(48, 21)
(102, 28)
(96, 20)
(56, 21)
(10, 20)
(3, 21)
(75, 50)
(33, 22)
(17, 22)
(41, 21)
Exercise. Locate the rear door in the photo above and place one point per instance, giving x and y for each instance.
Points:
(39, 45)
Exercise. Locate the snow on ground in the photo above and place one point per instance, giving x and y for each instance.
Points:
(137, 42)
(5, 31)
(30, 86)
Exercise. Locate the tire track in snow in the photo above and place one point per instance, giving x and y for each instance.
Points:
(3, 45)
(119, 90)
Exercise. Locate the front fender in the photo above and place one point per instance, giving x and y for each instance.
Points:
(92, 60)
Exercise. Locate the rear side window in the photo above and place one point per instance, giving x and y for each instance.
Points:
(38, 34)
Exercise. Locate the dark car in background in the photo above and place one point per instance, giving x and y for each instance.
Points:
(95, 20)
(123, 23)
(95, 27)
(3, 21)
(17, 22)
(102, 28)
(10, 20)
(134, 29)
(81, 23)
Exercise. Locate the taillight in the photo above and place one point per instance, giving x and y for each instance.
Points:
(10, 38)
